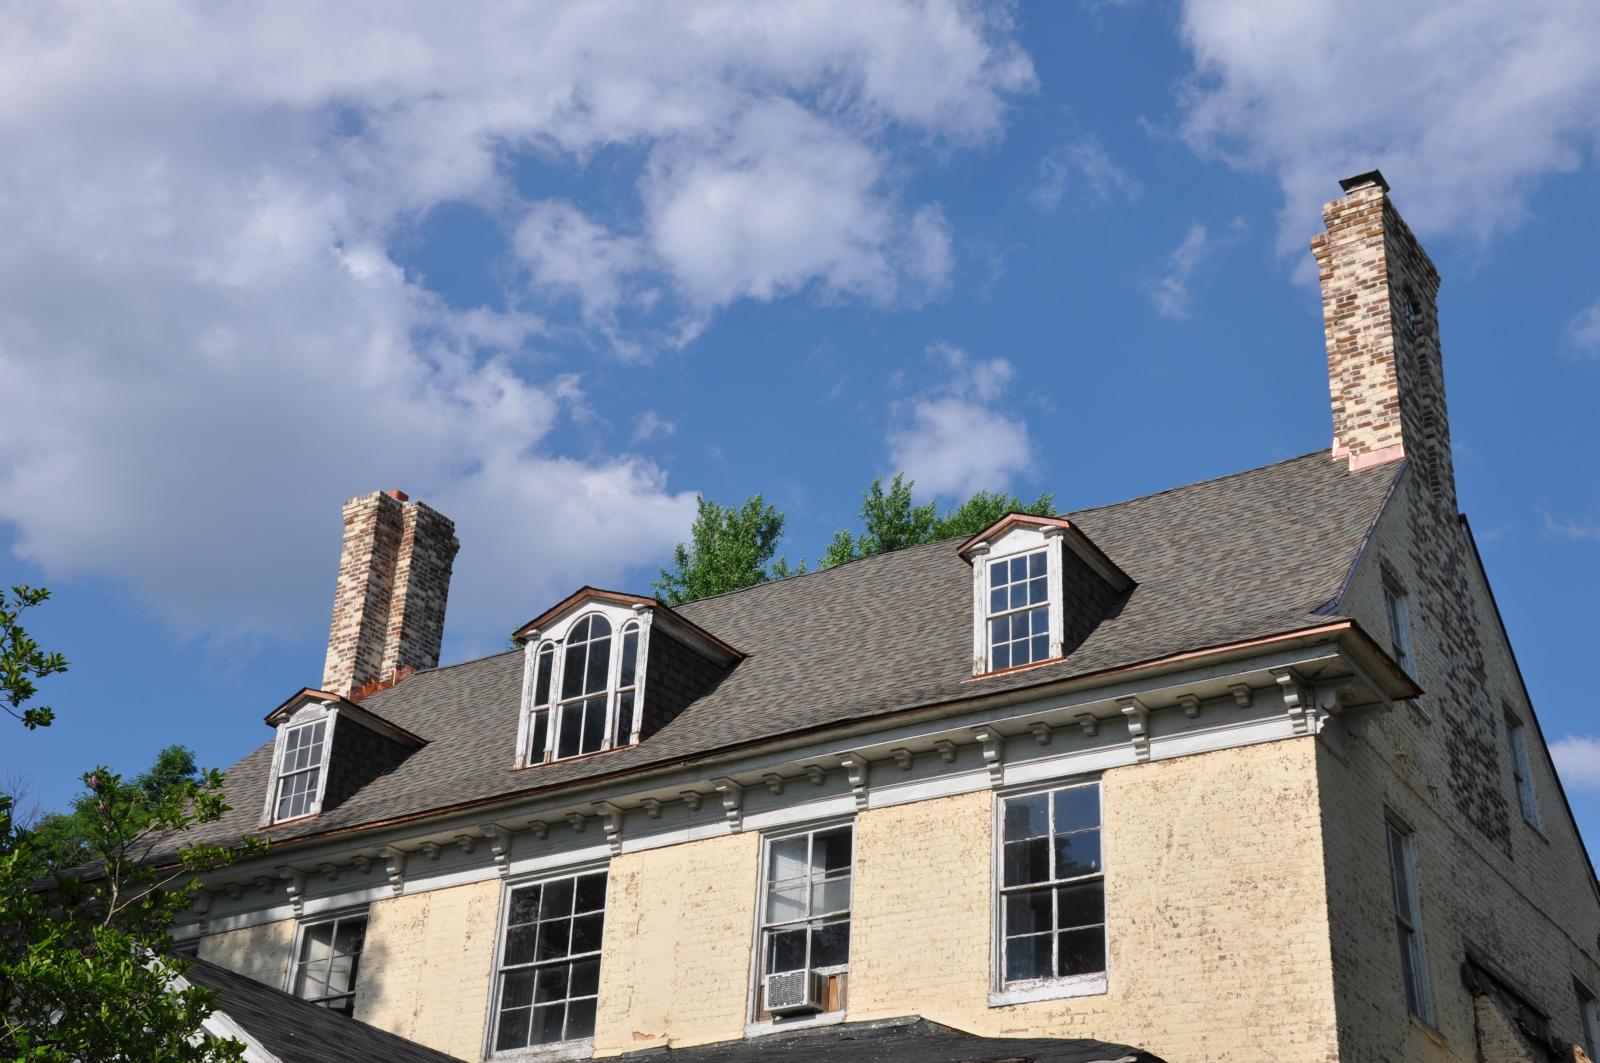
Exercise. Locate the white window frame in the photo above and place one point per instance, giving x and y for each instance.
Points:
(1522, 769)
(304, 716)
(576, 1048)
(619, 618)
(1397, 608)
(1413, 948)
(1588, 1018)
(756, 1025)
(1002, 993)
(291, 976)
(1023, 539)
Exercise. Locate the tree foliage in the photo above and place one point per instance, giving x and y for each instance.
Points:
(891, 521)
(729, 548)
(66, 839)
(86, 969)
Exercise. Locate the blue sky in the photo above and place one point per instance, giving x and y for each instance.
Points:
(559, 271)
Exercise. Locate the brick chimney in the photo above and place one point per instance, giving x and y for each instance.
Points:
(388, 606)
(1380, 313)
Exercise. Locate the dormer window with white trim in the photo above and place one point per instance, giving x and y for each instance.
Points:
(300, 772)
(326, 749)
(1039, 588)
(585, 666)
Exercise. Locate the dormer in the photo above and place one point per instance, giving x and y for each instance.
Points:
(604, 670)
(1039, 586)
(326, 749)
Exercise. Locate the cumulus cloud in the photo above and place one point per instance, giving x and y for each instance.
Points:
(650, 424)
(1465, 106)
(1170, 294)
(1577, 759)
(957, 437)
(207, 342)
(1582, 335)
(1083, 165)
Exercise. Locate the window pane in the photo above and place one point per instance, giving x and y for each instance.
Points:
(341, 974)
(1019, 595)
(1028, 817)
(630, 656)
(316, 942)
(519, 945)
(517, 989)
(830, 945)
(787, 859)
(1027, 861)
(1027, 957)
(1036, 591)
(1002, 657)
(580, 1019)
(585, 978)
(591, 893)
(1039, 621)
(548, 1022)
(349, 935)
(599, 665)
(1077, 854)
(1080, 905)
(832, 895)
(1019, 626)
(1019, 569)
(550, 984)
(586, 931)
(542, 668)
(786, 904)
(569, 741)
(997, 574)
(623, 731)
(524, 905)
(513, 1029)
(1039, 648)
(594, 724)
(1407, 970)
(536, 741)
(557, 900)
(997, 600)
(1081, 952)
(786, 950)
(554, 939)
(1036, 563)
(1028, 913)
(831, 850)
(572, 670)
(1077, 808)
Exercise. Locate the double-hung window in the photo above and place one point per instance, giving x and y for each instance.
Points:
(1397, 605)
(1019, 610)
(326, 960)
(1408, 921)
(1052, 905)
(548, 977)
(805, 908)
(300, 770)
(585, 675)
(1521, 770)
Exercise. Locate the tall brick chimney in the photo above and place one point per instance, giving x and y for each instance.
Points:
(394, 579)
(1380, 313)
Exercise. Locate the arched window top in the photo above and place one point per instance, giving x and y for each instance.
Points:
(588, 659)
(544, 665)
(593, 626)
(584, 686)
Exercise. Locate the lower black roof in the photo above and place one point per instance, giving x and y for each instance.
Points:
(908, 1040)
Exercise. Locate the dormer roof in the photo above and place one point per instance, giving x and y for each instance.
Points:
(347, 709)
(1071, 535)
(685, 629)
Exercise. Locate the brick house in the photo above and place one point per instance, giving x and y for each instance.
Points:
(1243, 770)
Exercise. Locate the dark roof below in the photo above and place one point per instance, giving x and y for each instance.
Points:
(298, 1032)
(1258, 553)
(910, 1040)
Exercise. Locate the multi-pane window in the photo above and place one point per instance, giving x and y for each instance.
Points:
(1019, 610)
(325, 964)
(1395, 603)
(544, 664)
(1521, 771)
(805, 913)
(549, 971)
(1590, 1017)
(1408, 921)
(585, 672)
(300, 769)
(1052, 886)
(627, 685)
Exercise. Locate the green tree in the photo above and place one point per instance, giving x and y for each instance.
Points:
(66, 839)
(86, 971)
(891, 521)
(729, 548)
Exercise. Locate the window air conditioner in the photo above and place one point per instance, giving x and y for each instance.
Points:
(796, 992)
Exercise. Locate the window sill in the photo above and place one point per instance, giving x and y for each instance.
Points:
(1085, 986)
(561, 1050)
(1428, 1030)
(764, 1029)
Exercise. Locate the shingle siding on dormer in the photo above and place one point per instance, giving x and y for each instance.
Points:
(1086, 600)
(676, 677)
(359, 756)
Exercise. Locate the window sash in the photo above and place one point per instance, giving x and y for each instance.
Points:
(1408, 923)
(307, 972)
(1522, 771)
(830, 920)
(1394, 601)
(1022, 898)
(1007, 648)
(542, 994)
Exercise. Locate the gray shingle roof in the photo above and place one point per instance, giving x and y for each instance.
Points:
(299, 1032)
(1257, 553)
(898, 1041)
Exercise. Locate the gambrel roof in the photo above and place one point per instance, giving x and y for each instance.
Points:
(1252, 556)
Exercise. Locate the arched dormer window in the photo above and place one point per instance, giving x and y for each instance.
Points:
(627, 685)
(585, 667)
(544, 666)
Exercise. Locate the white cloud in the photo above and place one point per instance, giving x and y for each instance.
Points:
(1577, 759)
(1170, 294)
(1572, 530)
(956, 438)
(1464, 106)
(650, 424)
(1582, 335)
(206, 342)
(1083, 163)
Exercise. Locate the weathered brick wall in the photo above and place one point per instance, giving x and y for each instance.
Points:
(1217, 926)
(359, 755)
(415, 625)
(675, 969)
(259, 952)
(1522, 897)
(427, 966)
(675, 676)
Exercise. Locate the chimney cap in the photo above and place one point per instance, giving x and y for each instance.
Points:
(398, 495)
(1371, 177)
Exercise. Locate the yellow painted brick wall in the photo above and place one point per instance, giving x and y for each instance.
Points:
(675, 967)
(1214, 885)
(259, 952)
(427, 966)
